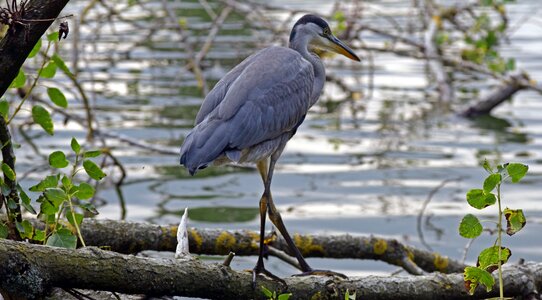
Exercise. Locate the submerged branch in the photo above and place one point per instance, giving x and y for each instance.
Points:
(495, 98)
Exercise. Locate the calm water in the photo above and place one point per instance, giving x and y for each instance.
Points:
(355, 166)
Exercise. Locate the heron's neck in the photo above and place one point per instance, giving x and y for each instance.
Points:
(301, 45)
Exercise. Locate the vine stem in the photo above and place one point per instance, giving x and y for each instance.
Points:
(499, 243)
(75, 222)
(29, 92)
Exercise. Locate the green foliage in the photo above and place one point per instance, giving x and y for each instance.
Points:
(482, 39)
(489, 258)
(478, 198)
(474, 276)
(62, 238)
(75, 146)
(3, 231)
(347, 295)
(19, 81)
(58, 160)
(61, 197)
(470, 227)
(8, 172)
(49, 71)
(273, 294)
(42, 117)
(57, 97)
(492, 258)
(35, 50)
(515, 220)
(93, 170)
(4, 109)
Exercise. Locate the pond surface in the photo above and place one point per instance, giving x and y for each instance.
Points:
(363, 166)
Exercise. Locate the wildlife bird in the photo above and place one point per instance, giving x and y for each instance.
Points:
(254, 110)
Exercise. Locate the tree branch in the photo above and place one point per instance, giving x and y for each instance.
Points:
(32, 270)
(14, 48)
(127, 237)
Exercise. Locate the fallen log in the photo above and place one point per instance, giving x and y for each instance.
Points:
(131, 238)
(30, 271)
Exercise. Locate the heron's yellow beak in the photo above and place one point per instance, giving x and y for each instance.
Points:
(339, 47)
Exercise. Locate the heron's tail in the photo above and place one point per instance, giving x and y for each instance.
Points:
(203, 145)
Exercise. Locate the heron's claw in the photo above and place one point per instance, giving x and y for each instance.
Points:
(322, 273)
(260, 269)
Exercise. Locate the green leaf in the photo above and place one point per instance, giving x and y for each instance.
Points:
(25, 200)
(58, 160)
(510, 64)
(48, 182)
(474, 276)
(491, 182)
(19, 81)
(93, 170)
(57, 97)
(52, 37)
(49, 71)
(515, 220)
(8, 172)
(47, 207)
(42, 117)
(85, 191)
(489, 258)
(284, 296)
(66, 183)
(61, 65)
(3, 231)
(75, 146)
(477, 198)
(4, 109)
(39, 235)
(62, 238)
(25, 228)
(267, 293)
(70, 217)
(92, 153)
(56, 196)
(35, 50)
(470, 227)
(516, 171)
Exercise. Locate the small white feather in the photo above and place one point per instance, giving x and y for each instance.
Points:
(182, 237)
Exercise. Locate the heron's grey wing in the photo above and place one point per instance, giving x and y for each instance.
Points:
(217, 94)
(270, 96)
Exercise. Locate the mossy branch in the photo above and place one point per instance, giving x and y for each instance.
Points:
(32, 270)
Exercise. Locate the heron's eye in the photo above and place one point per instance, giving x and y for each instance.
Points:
(327, 31)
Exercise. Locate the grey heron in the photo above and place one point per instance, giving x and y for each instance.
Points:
(254, 110)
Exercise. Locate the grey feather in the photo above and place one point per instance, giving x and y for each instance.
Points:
(263, 98)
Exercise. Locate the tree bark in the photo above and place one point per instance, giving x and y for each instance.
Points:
(130, 238)
(14, 48)
(32, 270)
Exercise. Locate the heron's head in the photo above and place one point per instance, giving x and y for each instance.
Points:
(315, 31)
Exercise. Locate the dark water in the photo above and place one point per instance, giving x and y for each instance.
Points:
(362, 166)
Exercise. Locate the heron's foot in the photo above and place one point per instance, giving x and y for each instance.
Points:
(322, 273)
(260, 269)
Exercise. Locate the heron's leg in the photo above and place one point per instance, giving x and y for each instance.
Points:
(275, 217)
(259, 268)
